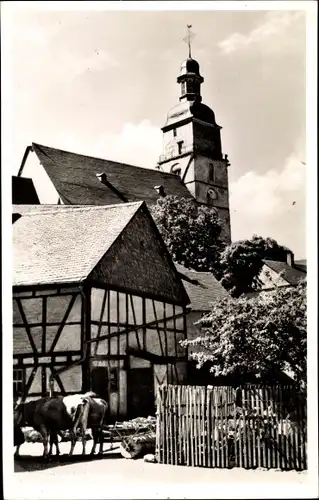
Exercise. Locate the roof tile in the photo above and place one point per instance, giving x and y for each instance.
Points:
(290, 274)
(74, 177)
(204, 290)
(63, 244)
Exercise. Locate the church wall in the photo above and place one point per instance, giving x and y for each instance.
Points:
(183, 133)
(202, 195)
(44, 187)
(224, 216)
(207, 140)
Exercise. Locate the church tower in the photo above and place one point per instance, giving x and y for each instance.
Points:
(192, 145)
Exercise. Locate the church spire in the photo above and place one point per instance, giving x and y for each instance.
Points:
(190, 78)
(188, 39)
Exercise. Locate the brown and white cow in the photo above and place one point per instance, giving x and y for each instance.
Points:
(88, 412)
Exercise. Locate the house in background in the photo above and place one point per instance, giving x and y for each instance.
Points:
(281, 274)
(97, 305)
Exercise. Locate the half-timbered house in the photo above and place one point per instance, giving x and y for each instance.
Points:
(97, 305)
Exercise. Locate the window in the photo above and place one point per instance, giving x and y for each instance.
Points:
(180, 147)
(18, 381)
(176, 169)
(211, 194)
(174, 132)
(183, 88)
(211, 172)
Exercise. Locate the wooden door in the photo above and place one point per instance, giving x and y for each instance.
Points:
(100, 383)
(140, 392)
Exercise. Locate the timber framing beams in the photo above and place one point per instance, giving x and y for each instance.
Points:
(153, 358)
(132, 329)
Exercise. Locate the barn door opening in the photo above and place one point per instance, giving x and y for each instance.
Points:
(100, 381)
(140, 392)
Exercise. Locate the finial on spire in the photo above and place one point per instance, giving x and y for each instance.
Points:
(188, 39)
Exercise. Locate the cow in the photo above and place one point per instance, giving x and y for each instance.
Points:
(19, 439)
(48, 416)
(87, 411)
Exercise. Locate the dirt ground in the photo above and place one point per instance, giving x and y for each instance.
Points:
(120, 478)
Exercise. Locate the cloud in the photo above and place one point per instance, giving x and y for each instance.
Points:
(137, 144)
(272, 204)
(277, 34)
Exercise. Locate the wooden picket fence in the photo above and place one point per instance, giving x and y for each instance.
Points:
(252, 426)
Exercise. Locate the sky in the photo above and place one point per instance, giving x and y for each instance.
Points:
(101, 83)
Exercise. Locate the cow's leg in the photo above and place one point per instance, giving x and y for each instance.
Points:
(17, 452)
(44, 433)
(83, 432)
(101, 439)
(54, 441)
(73, 441)
(95, 439)
(57, 445)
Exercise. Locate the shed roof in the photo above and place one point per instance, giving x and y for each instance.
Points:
(64, 245)
(74, 177)
(202, 288)
(23, 191)
(292, 275)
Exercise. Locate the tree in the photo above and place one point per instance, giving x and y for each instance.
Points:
(192, 232)
(260, 336)
(242, 261)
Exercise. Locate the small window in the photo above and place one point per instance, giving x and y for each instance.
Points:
(211, 172)
(180, 147)
(174, 132)
(211, 194)
(18, 381)
(176, 169)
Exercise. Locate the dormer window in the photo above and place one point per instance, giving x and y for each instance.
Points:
(211, 194)
(176, 169)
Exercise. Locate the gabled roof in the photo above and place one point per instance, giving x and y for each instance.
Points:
(63, 246)
(23, 191)
(292, 275)
(202, 288)
(74, 177)
(117, 246)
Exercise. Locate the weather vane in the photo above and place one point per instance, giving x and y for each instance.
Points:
(188, 38)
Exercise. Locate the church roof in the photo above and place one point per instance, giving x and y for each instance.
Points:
(202, 288)
(292, 275)
(190, 109)
(23, 191)
(74, 177)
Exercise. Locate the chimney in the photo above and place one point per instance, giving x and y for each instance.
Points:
(102, 177)
(160, 190)
(290, 259)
